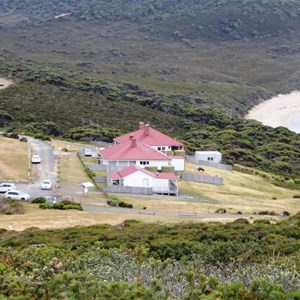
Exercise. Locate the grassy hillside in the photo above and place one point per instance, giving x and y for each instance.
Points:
(230, 19)
(229, 54)
(189, 68)
(51, 103)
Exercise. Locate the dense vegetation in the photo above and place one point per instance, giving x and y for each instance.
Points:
(51, 103)
(134, 260)
(229, 19)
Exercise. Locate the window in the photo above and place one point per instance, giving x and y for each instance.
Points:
(210, 158)
(158, 148)
(163, 148)
(144, 162)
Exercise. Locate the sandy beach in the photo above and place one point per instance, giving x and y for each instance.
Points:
(282, 110)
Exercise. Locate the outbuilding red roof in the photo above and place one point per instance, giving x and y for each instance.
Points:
(149, 136)
(132, 169)
(132, 150)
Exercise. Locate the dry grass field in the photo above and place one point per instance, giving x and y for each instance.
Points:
(13, 160)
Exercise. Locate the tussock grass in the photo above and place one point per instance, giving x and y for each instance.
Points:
(13, 159)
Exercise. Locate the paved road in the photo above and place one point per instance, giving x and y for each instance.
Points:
(45, 170)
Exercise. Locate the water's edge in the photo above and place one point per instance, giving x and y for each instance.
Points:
(281, 110)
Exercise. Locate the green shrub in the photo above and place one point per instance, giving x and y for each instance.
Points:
(241, 221)
(39, 200)
(266, 212)
(65, 204)
(297, 180)
(220, 211)
(41, 136)
(90, 173)
(59, 205)
(261, 221)
(11, 135)
(23, 139)
(296, 196)
(113, 203)
(124, 204)
(46, 206)
(73, 206)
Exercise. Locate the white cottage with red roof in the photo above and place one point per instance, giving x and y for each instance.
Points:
(133, 152)
(133, 176)
(144, 138)
(151, 137)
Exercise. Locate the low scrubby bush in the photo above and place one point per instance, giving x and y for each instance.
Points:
(220, 211)
(266, 212)
(42, 137)
(297, 180)
(39, 200)
(46, 206)
(10, 207)
(23, 139)
(65, 204)
(124, 204)
(115, 202)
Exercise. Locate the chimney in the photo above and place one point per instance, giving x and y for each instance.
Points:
(146, 129)
(133, 142)
(131, 137)
(141, 125)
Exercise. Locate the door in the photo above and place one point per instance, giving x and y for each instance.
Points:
(145, 182)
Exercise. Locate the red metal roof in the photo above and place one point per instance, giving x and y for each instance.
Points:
(153, 138)
(132, 169)
(129, 151)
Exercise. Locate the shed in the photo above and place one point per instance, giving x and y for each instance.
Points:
(210, 156)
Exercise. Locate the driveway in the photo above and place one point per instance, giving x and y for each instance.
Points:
(45, 170)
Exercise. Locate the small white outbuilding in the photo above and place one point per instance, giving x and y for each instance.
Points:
(210, 156)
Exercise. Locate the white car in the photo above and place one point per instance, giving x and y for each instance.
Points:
(87, 152)
(16, 195)
(46, 185)
(6, 186)
(36, 159)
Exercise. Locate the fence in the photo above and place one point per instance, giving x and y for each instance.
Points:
(101, 144)
(203, 178)
(100, 179)
(104, 168)
(128, 190)
(193, 160)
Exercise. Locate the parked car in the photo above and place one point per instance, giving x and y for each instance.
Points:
(36, 159)
(16, 195)
(46, 184)
(1, 83)
(6, 186)
(87, 152)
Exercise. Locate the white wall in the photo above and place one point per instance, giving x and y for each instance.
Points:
(138, 179)
(204, 155)
(160, 182)
(178, 163)
(155, 163)
(166, 148)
